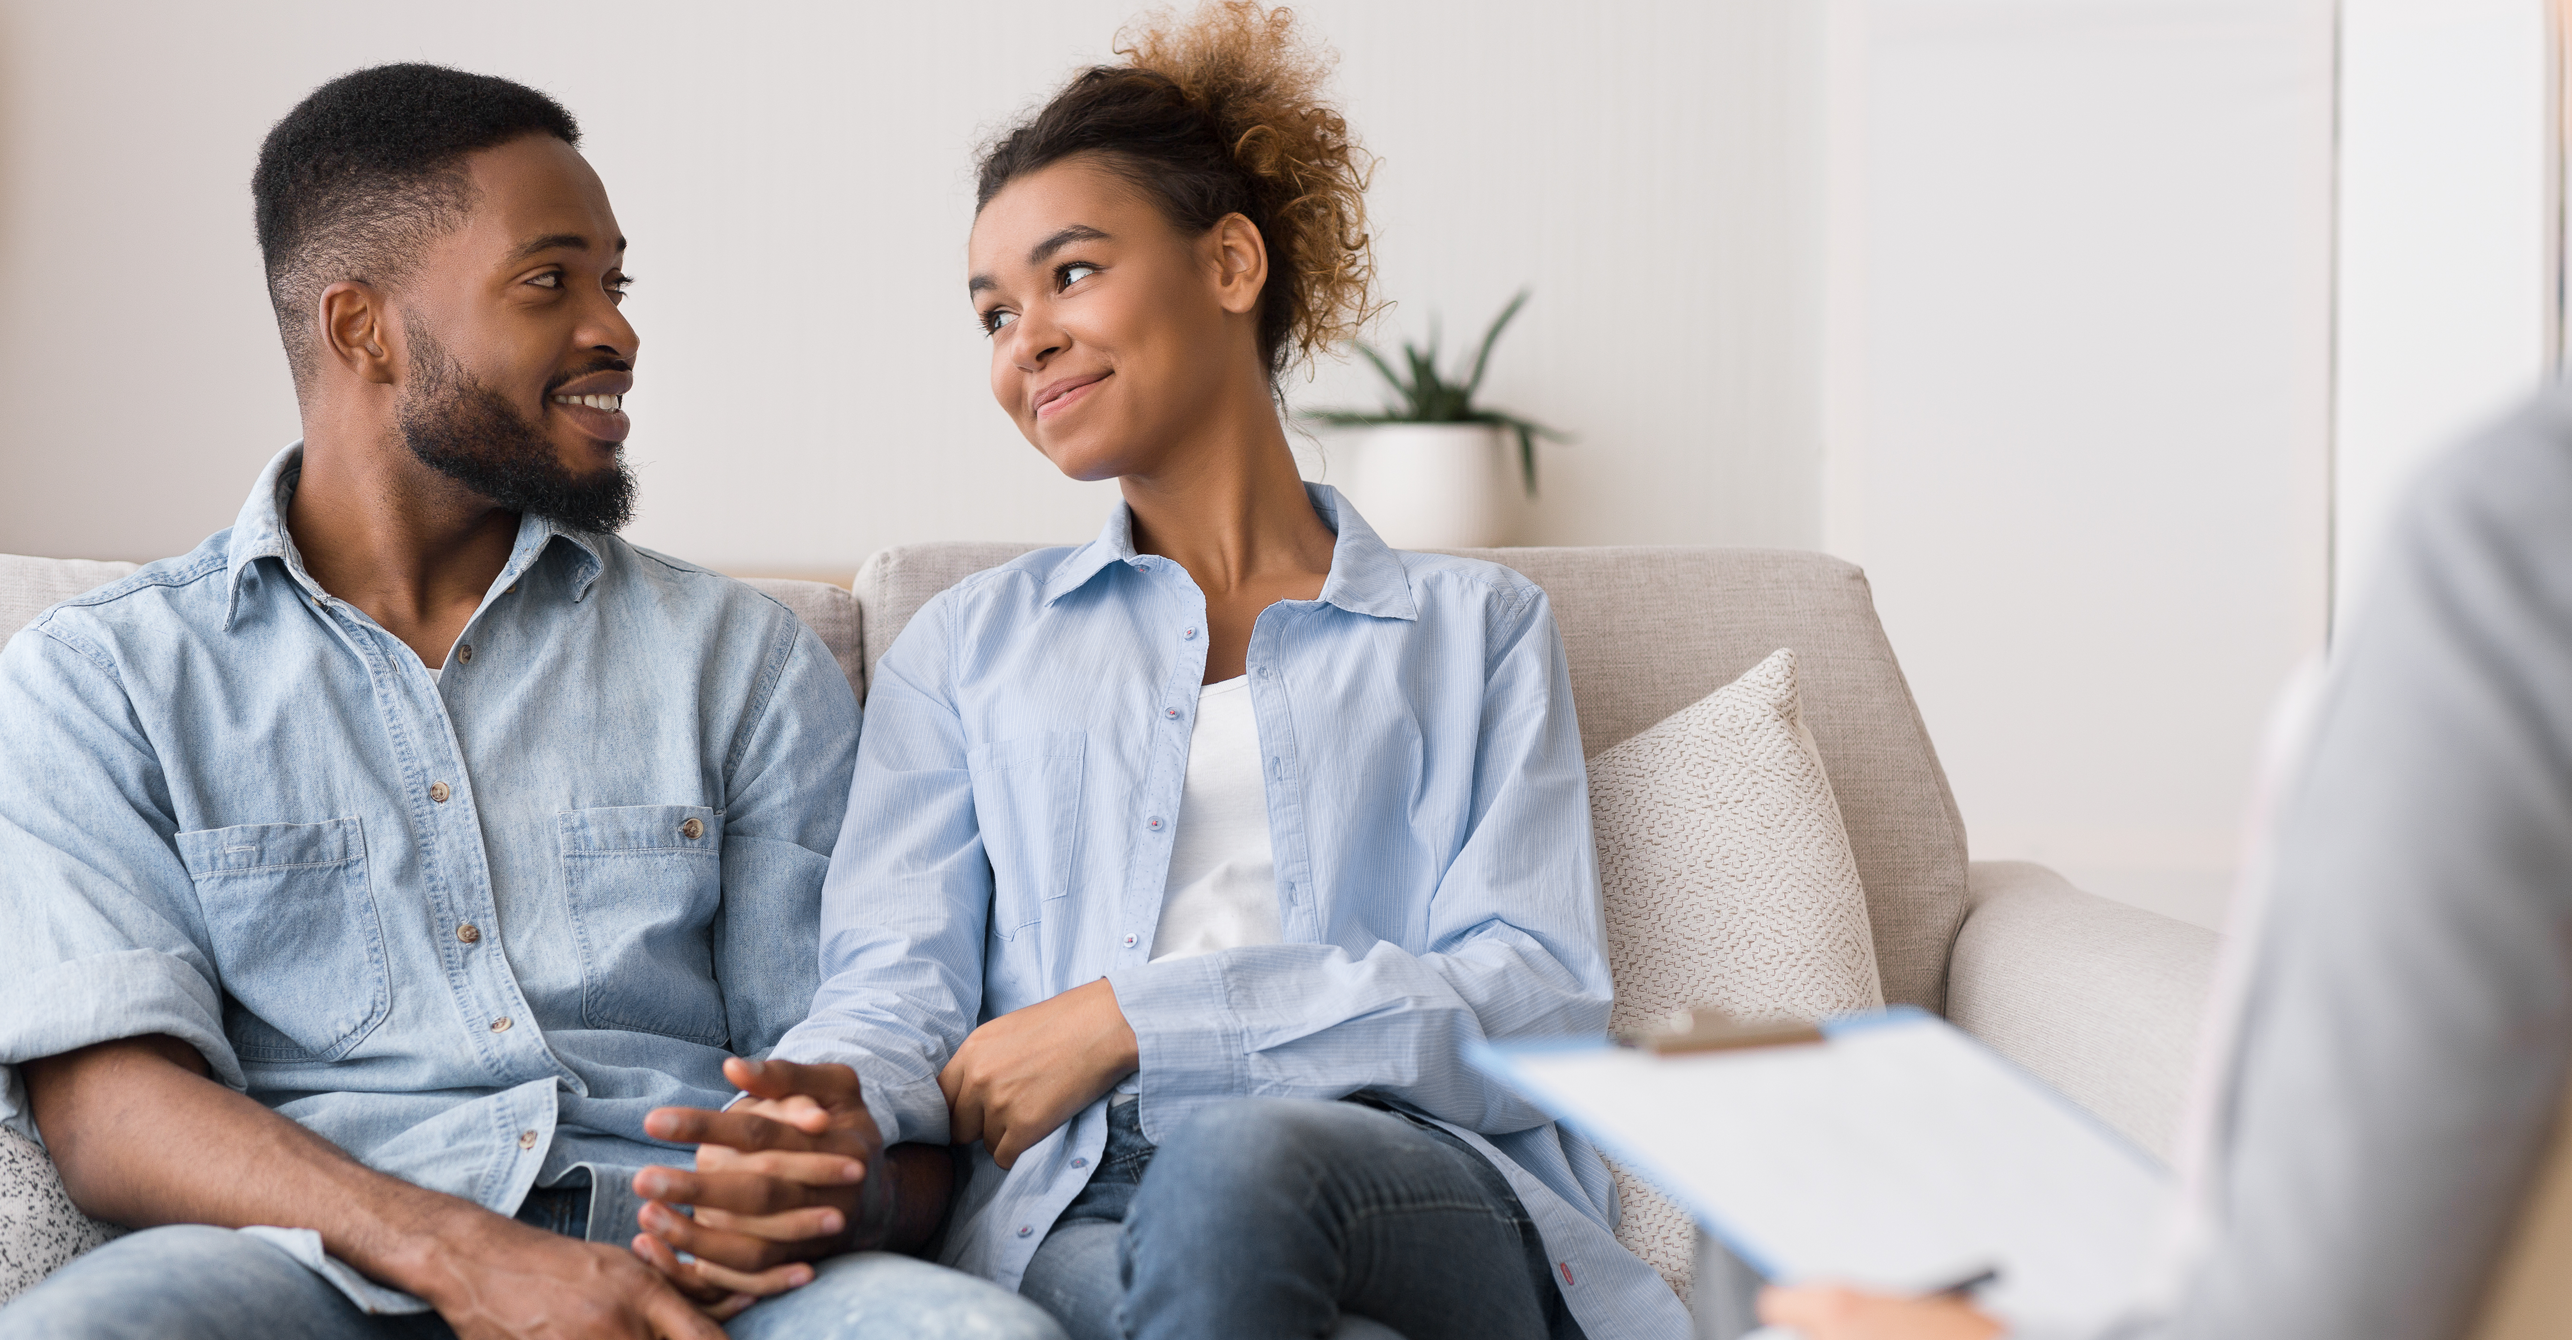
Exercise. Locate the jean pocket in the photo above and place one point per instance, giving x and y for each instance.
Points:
(1027, 798)
(642, 884)
(295, 936)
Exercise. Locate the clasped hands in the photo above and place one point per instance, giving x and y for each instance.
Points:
(797, 1171)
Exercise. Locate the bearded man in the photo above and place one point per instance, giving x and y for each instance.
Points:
(368, 874)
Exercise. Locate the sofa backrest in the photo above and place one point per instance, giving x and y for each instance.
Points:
(1649, 630)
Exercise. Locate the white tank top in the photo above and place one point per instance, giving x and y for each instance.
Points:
(1222, 889)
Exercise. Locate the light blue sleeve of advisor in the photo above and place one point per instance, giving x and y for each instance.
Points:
(1009, 836)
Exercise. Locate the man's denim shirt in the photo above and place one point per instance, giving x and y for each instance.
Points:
(1009, 837)
(469, 927)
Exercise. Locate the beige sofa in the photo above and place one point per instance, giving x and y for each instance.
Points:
(2100, 999)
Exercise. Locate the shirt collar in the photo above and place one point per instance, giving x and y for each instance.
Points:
(1366, 577)
(260, 532)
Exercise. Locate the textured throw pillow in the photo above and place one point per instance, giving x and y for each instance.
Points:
(1729, 881)
(40, 1229)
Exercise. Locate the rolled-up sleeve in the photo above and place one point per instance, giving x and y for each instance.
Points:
(100, 937)
(1515, 938)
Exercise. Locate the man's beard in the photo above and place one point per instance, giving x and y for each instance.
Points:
(472, 434)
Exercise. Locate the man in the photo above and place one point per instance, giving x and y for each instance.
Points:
(370, 872)
(2405, 1034)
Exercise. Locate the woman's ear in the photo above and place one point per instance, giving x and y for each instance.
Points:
(1240, 263)
(354, 331)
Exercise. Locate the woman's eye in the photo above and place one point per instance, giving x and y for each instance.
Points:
(1073, 274)
(618, 286)
(993, 321)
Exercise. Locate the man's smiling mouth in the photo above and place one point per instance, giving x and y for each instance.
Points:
(610, 403)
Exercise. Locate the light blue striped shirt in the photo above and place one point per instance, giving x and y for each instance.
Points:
(1009, 834)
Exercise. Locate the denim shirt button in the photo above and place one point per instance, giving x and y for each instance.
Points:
(500, 1025)
(464, 653)
(438, 792)
(526, 1139)
(693, 829)
(468, 932)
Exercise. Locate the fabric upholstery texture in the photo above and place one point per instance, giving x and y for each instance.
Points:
(2103, 1001)
(30, 586)
(1650, 630)
(40, 1229)
(1729, 882)
(833, 615)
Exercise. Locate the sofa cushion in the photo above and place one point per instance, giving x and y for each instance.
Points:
(40, 1230)
(1728, 881)
(30, 586)
(832, 613)
(1650, 630)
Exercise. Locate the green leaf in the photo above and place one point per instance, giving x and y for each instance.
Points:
(1482, 356)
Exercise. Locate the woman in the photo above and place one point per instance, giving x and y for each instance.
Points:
(1233, 826)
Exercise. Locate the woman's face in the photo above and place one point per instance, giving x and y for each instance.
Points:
(1114, 339)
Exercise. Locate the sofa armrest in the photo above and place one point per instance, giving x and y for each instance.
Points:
(2101, 1000)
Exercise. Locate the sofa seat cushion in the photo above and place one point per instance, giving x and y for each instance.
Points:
(1729, 881)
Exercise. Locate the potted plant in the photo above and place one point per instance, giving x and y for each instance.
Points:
(1431, 469)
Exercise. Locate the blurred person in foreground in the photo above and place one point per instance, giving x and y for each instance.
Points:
(370, 872)
(2391, 1057)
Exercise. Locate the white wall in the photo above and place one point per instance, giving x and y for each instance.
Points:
(2442, 245)
(796, 181)
(2023, 304)
(2080, 397)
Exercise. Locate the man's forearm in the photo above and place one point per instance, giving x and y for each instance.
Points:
(923, 1177)
(142, 1138)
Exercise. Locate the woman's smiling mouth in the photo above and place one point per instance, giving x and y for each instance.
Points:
(1060, 396)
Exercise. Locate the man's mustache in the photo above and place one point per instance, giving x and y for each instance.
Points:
(599, 365)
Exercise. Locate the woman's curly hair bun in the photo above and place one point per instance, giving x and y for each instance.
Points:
(1222, 112)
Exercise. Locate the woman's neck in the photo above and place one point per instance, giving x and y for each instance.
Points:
(1232, 510)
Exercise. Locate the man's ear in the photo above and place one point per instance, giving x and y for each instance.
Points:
(1240, 263)
(355, 331)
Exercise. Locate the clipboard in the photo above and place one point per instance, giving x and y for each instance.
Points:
(1899, 1155)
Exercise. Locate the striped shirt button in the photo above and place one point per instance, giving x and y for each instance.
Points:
(1173, 713)
(1026, 1229)
(1129, 942)
(1153, 823)
(1190, 635)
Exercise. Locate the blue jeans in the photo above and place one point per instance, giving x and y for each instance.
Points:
(1279, 1217)
(190, 1282)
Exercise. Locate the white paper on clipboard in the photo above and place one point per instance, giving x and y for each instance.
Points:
(1899, 1155)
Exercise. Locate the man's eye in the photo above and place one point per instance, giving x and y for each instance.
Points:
(549, 279)
(992, 321)
(618, 286)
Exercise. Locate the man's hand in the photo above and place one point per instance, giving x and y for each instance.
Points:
(787, 1177)
(142, 1137)
(498, 1279)
(1018, 1077)
(1827, 1312)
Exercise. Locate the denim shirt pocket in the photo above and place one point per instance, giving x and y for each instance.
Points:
(295, 936)
(642, 884)
(1027, 798)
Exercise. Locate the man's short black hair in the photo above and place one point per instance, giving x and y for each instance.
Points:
(368, 170)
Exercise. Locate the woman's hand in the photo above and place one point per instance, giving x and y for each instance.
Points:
(1828, 1312)
(1018, 1077)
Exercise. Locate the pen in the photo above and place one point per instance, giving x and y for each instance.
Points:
(1965, 1287)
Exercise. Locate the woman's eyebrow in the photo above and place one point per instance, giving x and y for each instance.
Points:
(1078, 232)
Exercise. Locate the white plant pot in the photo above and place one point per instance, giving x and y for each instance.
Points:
(1431, 485)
